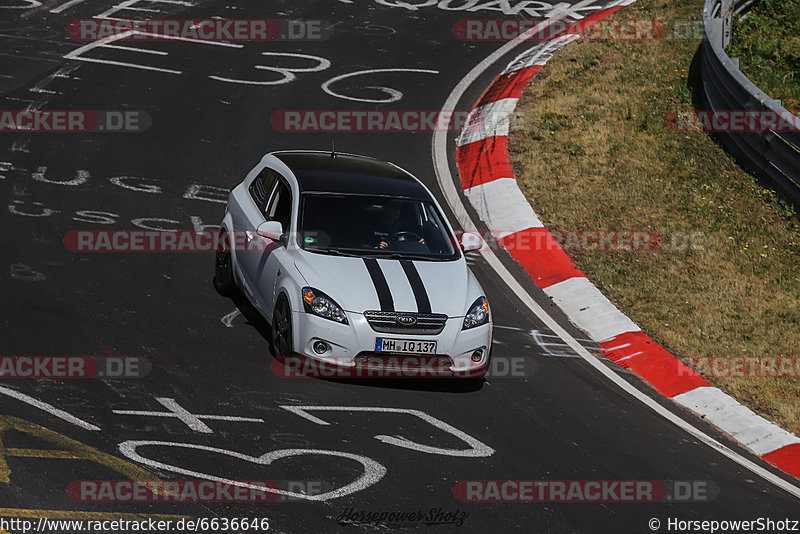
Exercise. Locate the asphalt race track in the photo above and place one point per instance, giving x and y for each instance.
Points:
(210, 108)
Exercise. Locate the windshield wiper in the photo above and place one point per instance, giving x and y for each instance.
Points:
(332, 251)
(400, 256)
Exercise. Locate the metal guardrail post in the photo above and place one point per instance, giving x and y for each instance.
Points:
(726, 14)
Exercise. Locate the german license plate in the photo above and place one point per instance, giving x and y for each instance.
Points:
(404, 346)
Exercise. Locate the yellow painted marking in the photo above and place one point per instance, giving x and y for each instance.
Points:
(42, 453)
(5, 471)
(70, 514)
(70, 450)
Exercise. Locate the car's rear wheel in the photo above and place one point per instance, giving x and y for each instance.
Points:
(224, 282)
(282, 328)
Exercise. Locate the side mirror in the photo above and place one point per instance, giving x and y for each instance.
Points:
(271, 230)
(470, 242)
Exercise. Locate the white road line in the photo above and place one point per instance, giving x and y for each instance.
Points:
(394, 94)
(5, 166)
(445, 178)
(128, 5)
(134, 49)
(68, 5)
(144, 9)
(373, 471)
(228, 319)
(477, 448)
(49, 408)
(35, 39)
(32, 58)
(44, 91)
(21, 144)
(123, 64)
(103, 43)
(191, 420)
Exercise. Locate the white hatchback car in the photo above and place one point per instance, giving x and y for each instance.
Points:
(351, 262)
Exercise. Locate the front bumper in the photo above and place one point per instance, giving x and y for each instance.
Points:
(349, 345)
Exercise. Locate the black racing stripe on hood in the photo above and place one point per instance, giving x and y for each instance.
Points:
(420, 295)
(380, 283)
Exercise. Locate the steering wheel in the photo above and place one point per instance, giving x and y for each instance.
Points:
(404, 236)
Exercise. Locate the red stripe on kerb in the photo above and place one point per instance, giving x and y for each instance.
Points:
(654, 363)
(541, 255)
(508, 85)
(787, 459)
(483, 161)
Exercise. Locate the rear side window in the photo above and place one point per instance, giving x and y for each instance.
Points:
(261, 187)
(280, 206)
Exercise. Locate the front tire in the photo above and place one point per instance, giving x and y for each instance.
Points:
(224, 282)
(282, 328)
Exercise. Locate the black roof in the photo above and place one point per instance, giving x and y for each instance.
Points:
(318, 172)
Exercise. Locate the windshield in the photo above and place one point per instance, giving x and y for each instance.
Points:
(364, 225)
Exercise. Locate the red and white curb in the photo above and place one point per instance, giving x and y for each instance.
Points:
(489, 184)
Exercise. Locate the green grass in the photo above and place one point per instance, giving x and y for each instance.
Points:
(591, 151)
(767, 41)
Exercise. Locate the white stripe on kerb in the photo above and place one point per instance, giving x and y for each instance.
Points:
(540, 54)
(502, 206)
(489, 120)
(747, 427)
(589, 309)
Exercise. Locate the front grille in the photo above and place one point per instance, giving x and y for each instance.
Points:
(386, 322)
(378, 360)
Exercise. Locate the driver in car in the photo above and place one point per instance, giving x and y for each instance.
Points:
(390, 223)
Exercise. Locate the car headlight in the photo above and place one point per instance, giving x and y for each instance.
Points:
(477, 315)
(320, 304)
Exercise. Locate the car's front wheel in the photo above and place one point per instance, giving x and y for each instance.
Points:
(224, 282)
(282, 328)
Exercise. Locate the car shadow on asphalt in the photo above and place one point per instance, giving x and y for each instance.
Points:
(434, 384)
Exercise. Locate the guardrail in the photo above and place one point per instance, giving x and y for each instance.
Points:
(774, 157)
